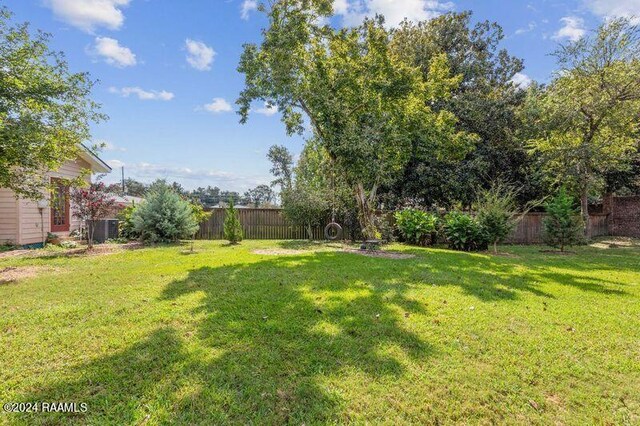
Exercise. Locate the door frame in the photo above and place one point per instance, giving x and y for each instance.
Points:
(57, 183)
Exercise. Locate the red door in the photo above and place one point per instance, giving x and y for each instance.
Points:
(60, 206)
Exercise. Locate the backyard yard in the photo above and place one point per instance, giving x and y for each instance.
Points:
(273, 332)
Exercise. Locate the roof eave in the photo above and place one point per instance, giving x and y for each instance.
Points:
(96, 163)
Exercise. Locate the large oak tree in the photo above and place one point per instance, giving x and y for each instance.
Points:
(365, 105)
(485, 102)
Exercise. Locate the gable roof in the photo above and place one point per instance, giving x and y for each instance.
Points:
(96, 163)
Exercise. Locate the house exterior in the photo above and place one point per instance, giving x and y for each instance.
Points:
(26, 222)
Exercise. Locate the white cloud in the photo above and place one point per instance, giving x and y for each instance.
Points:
(394, 11)
(615, 9)
(521, 80)
(89, 14)
(573, 29)
(188, 177)
(248, 6)
(144, 95)
(113, 53)
(340, 7)
(108, 146)
(199, 55)
(267, 110)
(218, 105)
(115, 164)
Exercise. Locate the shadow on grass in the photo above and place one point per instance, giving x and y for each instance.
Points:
(270, 335)
(492, 278)
(277, 329)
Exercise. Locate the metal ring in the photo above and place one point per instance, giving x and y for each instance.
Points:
(332, 227)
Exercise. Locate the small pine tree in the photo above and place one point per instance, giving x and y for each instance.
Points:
(562, 225)
(497, 213)
(232, 226)
(164, 217)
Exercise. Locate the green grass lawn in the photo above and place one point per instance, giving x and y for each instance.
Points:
(155, 336)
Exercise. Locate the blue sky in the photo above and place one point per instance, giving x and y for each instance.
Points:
(168, 80)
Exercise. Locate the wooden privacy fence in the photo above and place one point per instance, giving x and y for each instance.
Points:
(529, 230)
(258, 224)
(270, 224)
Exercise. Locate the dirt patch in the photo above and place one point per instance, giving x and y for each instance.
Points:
(11, 274)
(380, 253)
(101, 249)
(98, 250)
(616, 242)
(280, 252)
(14, 253)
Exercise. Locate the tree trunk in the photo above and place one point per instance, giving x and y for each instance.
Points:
(309, 232)
(90, 227)
(584, 210)
(495, 247)
(366, 212)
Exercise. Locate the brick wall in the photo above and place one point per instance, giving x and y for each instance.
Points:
(624, 218)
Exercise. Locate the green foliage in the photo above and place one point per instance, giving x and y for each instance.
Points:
(485, 104)
(135, 188)
(232, 225)
(199, 216)
(584, 123)
(417, 226)
(364, 103)
(126, 227)
(198, 212)
(45, 109)
(497, 213)
(8, 246)
(306, 207)
(562, 225)
(68, 244)
(259, 196)
(316, 191)
(464, 232)
(164, 216)
(281, 166)
(386, 227)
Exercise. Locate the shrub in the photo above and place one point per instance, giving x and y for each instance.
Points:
(305, 206)
(563, 225)
(92, 204)
(232, 226)
(199, 215)
(463, 232)
(417, 226)
(52, 238)
(8, 246)
(126, 227)
(163, 216)
(497, 213)
(384, 223)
